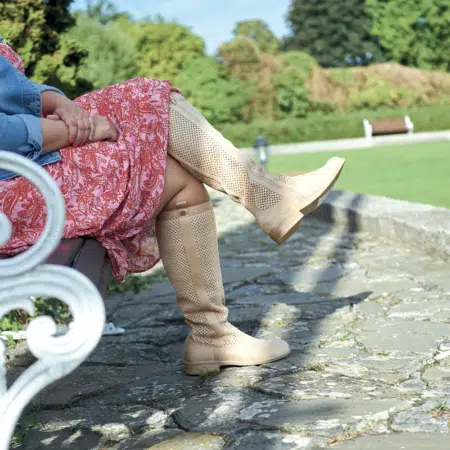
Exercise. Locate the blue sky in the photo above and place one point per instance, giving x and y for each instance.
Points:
(211, 19)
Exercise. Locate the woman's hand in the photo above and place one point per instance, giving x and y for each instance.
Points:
(78, 120)
(103, 130)
(56, 133)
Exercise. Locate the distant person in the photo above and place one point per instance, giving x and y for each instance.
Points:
(261, 147)
(107, 152)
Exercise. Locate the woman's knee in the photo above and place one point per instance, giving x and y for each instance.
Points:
(181, 186)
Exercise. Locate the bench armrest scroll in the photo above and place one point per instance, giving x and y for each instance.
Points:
(25, 275)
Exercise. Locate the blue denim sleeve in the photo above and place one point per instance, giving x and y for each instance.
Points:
(22, 134)
(44, 87)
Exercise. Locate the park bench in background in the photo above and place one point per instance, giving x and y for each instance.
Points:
(388, 126)
(72, 271)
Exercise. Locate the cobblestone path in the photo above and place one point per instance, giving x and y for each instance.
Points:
(369, 326)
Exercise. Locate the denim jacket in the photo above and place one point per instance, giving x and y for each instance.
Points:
(20, 113)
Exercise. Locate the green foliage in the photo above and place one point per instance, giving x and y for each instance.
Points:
(63, 69)
(241, 58)
(440, 409)
(251, 80)
(380, 94)
(112, 56)
(336, 33)
(132, 283)
(35, 29)
(292, 94)
(32, 27)
(204, 83)
(22, 24)
(103, 11)
(57, 20)
(256, 70)
(332, 126)
(163, 47)
(18, 319)
(413, 32)
(380, 86)
(259, 31)
(10, 323)
(342, 76)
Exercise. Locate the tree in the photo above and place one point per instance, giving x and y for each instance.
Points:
(163, 47)
(32, 27)
(36, 30)
(204, 83)
(292, 94)
(259, 31)
(414, 32)
(243, 60)
(112, 56)
(63, 69)
(336, 33)
(104, 11)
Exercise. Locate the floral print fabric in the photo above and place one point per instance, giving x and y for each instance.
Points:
(112, 190)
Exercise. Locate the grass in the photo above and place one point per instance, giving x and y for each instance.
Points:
(416, 173)
(441, 409)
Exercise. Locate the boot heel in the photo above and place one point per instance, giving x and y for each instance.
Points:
(202, 368)
(283, 231)
(312, 207)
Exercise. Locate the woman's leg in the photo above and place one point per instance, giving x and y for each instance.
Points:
(278, 203)
(187, 240)
(179, 186)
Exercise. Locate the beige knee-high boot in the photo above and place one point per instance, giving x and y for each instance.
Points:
(187, 242)
(277, 202)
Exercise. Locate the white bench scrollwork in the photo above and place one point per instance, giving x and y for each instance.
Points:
(24, 276)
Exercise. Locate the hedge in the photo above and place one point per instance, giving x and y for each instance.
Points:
(331, 126)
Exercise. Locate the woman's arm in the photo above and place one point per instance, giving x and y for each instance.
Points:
(30, 136)
(78, 120)
(51, 100)
(55, 135)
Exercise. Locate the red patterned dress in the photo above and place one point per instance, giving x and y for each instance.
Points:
(111, 189)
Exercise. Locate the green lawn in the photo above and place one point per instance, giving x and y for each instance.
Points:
(417, 173)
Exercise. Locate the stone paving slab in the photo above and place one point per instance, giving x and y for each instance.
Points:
(414, 224)
(368, 320)
(401, 441)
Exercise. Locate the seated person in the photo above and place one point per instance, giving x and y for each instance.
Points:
(131, 161)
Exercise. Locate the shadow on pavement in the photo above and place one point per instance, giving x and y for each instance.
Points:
(135, 383)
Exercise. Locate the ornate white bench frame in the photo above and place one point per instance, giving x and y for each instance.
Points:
(24, 276)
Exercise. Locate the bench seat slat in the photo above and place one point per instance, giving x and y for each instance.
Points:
(388, 126)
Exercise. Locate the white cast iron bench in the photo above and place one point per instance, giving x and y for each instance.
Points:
(68, 271)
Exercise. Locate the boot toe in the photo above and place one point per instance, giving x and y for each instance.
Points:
(276, 349)
(335, 163)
